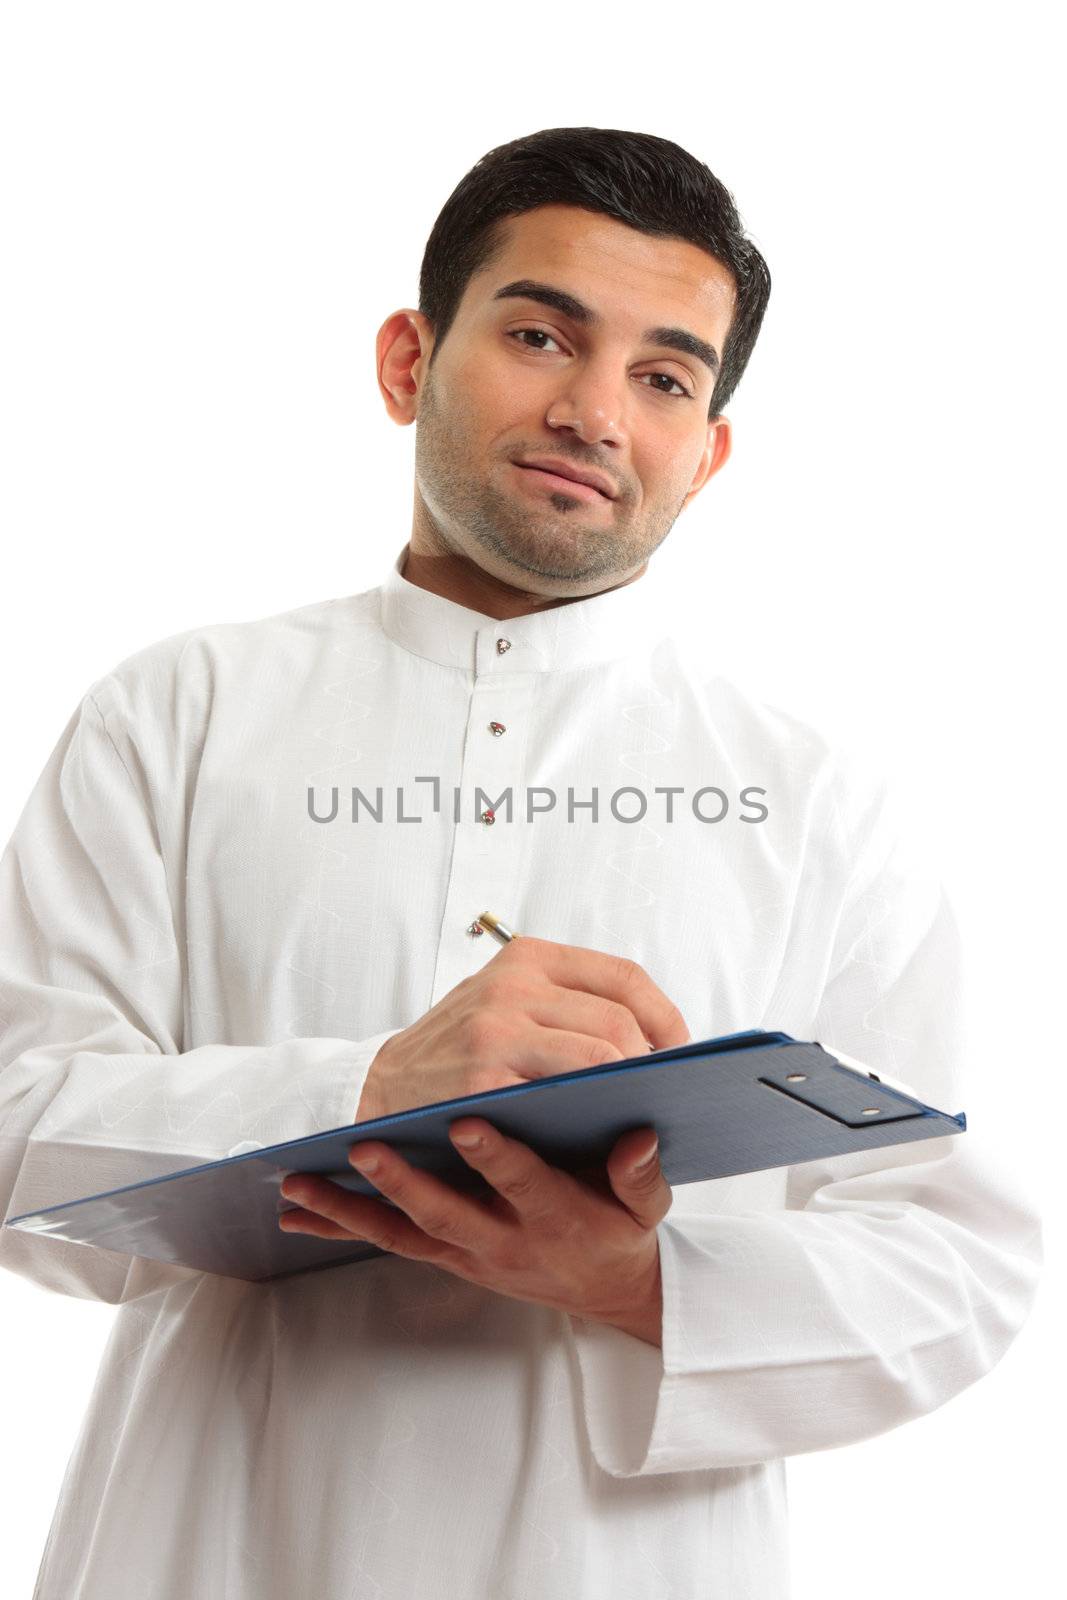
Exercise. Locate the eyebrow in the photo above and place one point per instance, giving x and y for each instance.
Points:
(673, 338)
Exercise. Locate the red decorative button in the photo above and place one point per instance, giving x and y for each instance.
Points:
(497, 728)
(488, 816)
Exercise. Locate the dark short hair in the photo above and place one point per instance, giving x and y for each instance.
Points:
(649, 183)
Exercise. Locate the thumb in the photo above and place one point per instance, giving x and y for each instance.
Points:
(637, 1179)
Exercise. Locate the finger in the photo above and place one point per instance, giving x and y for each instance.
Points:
(541, 1195)
(637, 1179)
(330, 1212)
(435, 1208)
(614, 977)
(300, 1221)
(539, 1052)
(575, 1011)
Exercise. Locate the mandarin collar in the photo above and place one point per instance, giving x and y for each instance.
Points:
(600, 627)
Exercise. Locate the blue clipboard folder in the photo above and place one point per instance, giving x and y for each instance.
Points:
(740, 1103)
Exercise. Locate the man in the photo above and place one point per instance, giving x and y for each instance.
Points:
(221, 932)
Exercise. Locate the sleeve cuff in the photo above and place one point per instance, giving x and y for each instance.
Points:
(342, 1089)
(630, 1389)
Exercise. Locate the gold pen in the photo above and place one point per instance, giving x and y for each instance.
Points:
(493, 925)
(501, 931)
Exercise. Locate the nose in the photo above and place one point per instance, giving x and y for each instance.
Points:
(589, 404)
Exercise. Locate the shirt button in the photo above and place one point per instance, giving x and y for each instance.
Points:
(497, 728)
(502, 645)
(488, 816)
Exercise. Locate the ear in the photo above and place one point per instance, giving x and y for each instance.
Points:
(716, 453)
(402, 349)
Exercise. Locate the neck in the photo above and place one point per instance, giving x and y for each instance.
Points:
(431, 564)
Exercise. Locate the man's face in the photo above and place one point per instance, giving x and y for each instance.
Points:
(516, 378)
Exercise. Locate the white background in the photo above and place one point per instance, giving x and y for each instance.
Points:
(209, 211)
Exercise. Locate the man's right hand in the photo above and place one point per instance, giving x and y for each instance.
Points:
(535, 1010)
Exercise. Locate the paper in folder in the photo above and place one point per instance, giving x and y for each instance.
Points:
(740, 1103)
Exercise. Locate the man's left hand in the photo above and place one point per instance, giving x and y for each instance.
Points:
(541, 1236)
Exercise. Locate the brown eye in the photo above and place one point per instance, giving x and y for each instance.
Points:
(540, 333)
(671, 379)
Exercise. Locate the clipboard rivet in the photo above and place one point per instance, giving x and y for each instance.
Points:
(796, 1077)
(870, 1111)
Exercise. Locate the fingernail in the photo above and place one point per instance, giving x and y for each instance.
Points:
(647, 1160)
(467, 1141)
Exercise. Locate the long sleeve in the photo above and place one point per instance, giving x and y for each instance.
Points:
(890, 1281)
(95, 1088)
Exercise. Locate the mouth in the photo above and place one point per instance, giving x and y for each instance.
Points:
(557, 475)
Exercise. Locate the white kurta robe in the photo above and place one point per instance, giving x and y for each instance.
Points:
(193, 964)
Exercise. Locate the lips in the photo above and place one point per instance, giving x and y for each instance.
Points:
(563, 469)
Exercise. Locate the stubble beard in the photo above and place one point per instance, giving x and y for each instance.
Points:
(550, 538)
